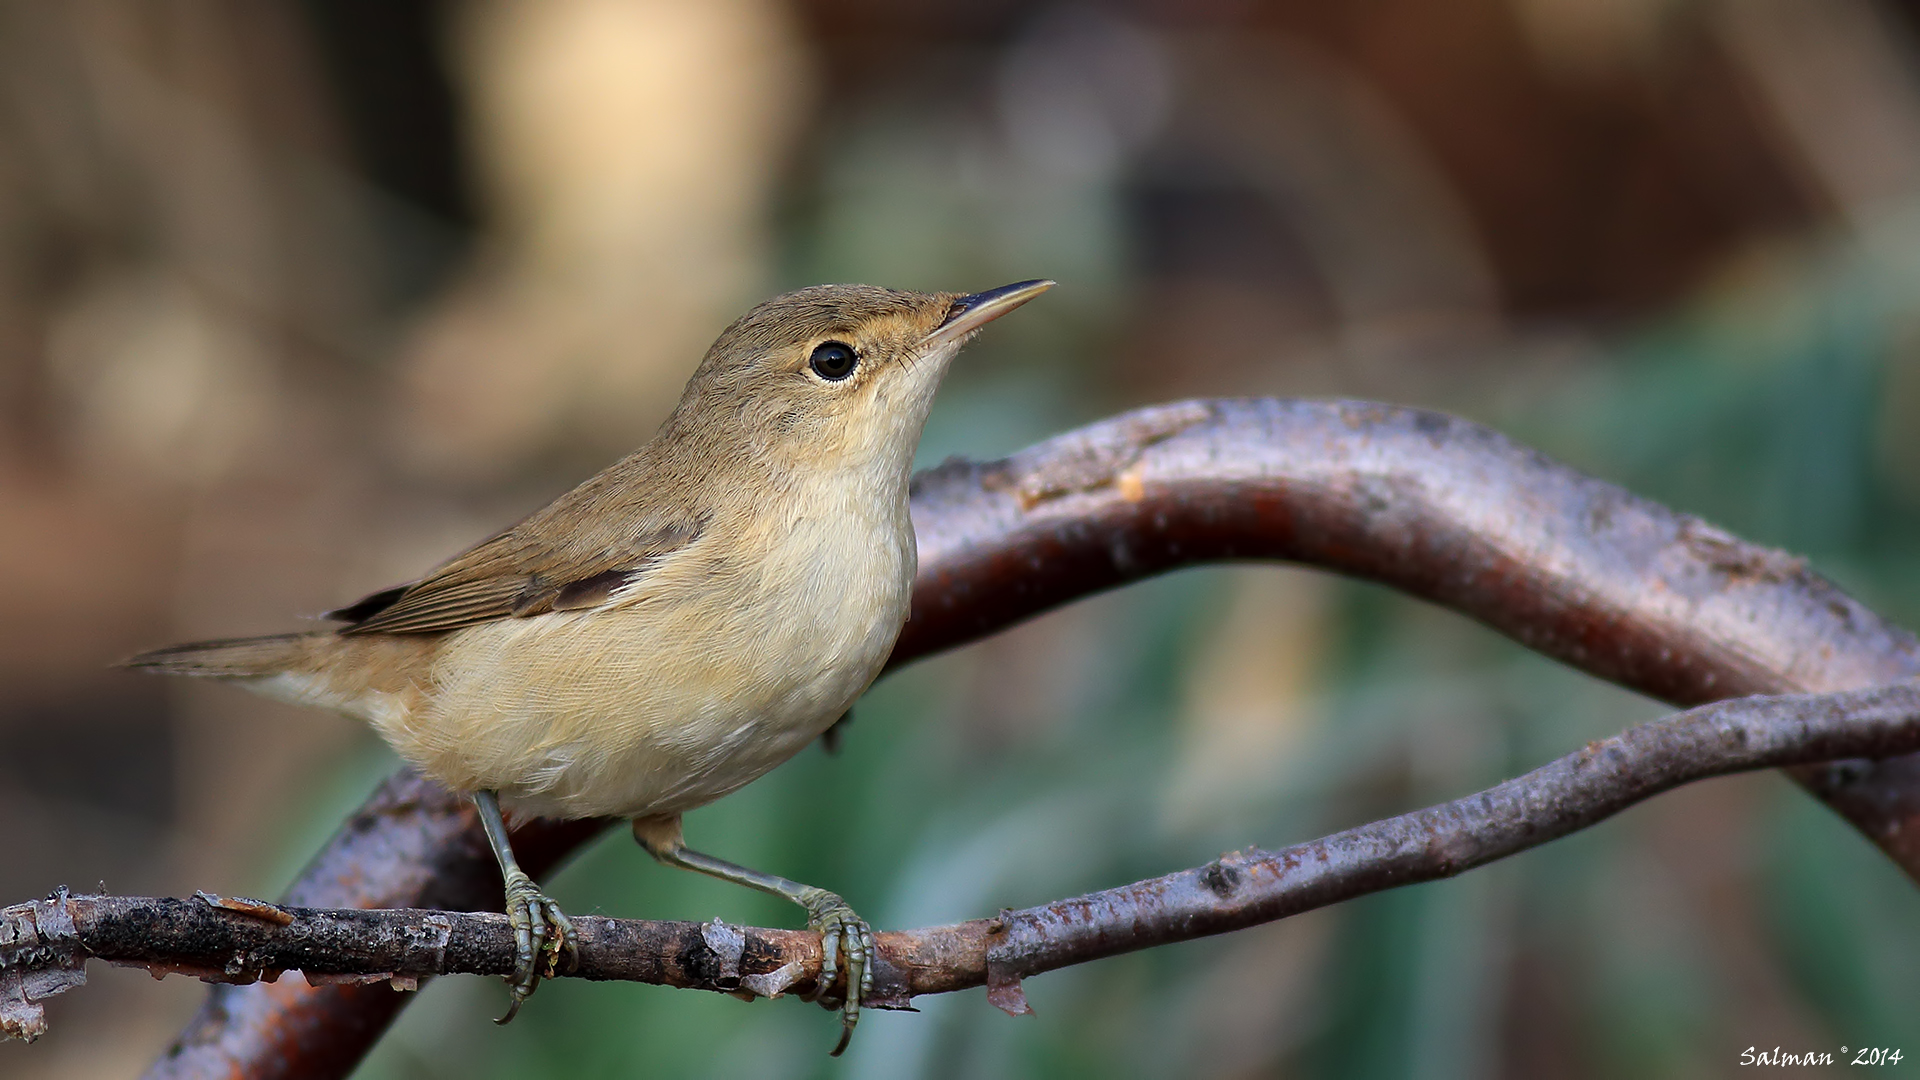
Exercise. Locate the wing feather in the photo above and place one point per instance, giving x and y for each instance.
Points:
(516, 574)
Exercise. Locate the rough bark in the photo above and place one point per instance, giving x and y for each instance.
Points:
(241, 941)
(1440, 508)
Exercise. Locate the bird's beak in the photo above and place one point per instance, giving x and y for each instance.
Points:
(975, 310)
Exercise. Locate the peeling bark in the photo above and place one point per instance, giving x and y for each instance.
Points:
(1437, 507)
(241, 942)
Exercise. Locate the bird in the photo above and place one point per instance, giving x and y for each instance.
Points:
(676, 625)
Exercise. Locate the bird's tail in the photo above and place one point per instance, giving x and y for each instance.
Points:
(228, 658)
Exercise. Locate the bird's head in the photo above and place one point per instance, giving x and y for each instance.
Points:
(834, 375)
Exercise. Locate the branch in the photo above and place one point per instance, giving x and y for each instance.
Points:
(1440, 508)
(44, 945)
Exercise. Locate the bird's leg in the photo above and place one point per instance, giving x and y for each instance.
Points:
(830, 738)
(540, 930)
(841, 931)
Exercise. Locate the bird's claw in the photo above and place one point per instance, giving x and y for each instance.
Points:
(842, 934)
(541, 934)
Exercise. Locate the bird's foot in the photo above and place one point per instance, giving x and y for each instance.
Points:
(843, 936)
(541, 934)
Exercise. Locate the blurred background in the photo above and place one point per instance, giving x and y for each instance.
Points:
(298, 297)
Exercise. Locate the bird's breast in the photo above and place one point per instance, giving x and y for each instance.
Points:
(728, 661)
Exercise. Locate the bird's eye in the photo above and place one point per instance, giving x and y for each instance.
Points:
(833, 360)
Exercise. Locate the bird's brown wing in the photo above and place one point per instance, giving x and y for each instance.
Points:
(517, 574)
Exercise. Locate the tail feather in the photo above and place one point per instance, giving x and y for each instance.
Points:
(228, 658)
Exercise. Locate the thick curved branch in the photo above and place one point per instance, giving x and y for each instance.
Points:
(1443, 509)
(242, 941)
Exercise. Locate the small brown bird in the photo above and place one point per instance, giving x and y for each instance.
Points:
(675, 626)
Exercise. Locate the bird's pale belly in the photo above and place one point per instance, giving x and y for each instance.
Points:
(637, 711)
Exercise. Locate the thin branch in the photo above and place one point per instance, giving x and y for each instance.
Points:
(1438, 507)
(233, 940)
